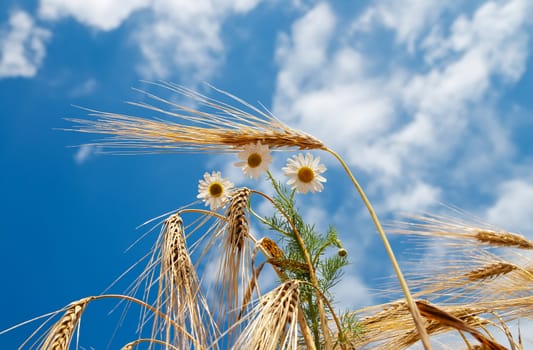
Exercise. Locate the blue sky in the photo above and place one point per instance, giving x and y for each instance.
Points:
(429, 102)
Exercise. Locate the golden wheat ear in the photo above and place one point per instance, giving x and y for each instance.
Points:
(490, 271)
(234, 254)
(179, 292)
(273, 323)
(221, 127)
(448, 227)
(60, 335)
(476, 262)
(271, 248)
(472, 275)
(503, 239)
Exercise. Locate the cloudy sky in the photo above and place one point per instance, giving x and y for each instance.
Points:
(429, 102)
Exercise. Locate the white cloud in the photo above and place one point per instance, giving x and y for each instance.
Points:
(305, 50)
(22, 46)
(175, 37)
(185, 36)
(100, 14)
(417, 196)
(398, 121)
(512, 209)
(351, 294)
(408, 18)
(482, 49)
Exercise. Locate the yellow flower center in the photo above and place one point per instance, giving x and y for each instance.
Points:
(306, 174)
(215, 189)
(254, 160)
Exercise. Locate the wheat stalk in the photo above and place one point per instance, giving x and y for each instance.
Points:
(131, 345)
(469, 269)
(390, 326)
(415, 314)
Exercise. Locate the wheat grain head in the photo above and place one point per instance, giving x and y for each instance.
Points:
(490, 271)
(235, 256)
(457, 228)
(221, 128)
(60, 335)
(185, 299)
(179, 294)
(273, 322)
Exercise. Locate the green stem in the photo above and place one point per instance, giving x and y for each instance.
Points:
(307, 257)
(417, 318)
(265, 222)
(304, 326)
(332, 311)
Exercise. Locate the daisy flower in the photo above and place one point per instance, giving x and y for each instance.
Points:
(304, 173)
(214, 190)
(255, 159)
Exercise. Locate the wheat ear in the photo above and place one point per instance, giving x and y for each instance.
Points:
(454, 228)
(503, 239)
(223, 128)
(271, 248)
(235, 254)
(179, 288)
(60, 335)
(490, 271)
(273, 322)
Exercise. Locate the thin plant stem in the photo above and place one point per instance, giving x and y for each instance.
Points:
(136, 301)
(333, 314)
(134, 343)
(312, 274)
(263, 221)
(304, 327)
(149, 307)
(417, 318)
(204, 212)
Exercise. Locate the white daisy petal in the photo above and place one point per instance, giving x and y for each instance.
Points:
(256, 159)
(214, 190)
(304, 173)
